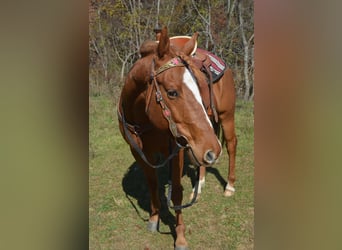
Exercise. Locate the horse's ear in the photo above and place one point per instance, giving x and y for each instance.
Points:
(190, 45)
(164, 43)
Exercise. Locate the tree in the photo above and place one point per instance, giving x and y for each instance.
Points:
(118, 27)
(246, 44)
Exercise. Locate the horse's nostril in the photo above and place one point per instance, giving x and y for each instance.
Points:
(209, 157)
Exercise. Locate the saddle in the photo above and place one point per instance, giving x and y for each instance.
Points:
(213, 68)
(209, 64)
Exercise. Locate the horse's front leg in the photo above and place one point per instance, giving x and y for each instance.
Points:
(152, 183)
(177, 197)
(151, 177)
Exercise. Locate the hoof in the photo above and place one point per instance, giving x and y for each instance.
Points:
(192, 196)
(152, 226)
(228, 193)
(181, 248)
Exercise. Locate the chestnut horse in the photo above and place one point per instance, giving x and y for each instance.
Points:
(161, 111)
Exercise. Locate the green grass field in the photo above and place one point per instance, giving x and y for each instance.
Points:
(119, 201)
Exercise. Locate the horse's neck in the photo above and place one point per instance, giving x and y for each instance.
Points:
(134, 91)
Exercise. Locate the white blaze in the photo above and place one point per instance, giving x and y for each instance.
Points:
(192, 85)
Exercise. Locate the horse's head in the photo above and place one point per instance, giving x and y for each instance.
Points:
(178, 105)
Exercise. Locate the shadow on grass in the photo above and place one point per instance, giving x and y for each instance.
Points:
(135, 187)
(218, 176)
(191, 173)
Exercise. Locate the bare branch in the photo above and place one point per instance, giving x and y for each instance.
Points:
(250, 39)
(198, 12)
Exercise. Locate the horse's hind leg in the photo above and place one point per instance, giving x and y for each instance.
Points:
(231, 141)
(201, 184)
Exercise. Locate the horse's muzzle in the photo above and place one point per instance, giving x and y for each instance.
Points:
(209, 157)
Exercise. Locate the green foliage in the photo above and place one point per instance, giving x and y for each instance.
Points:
(117, 28)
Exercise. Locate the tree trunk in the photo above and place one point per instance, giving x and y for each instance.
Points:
(252, 70)
(104, 55)
(246, 54)
(245, 73)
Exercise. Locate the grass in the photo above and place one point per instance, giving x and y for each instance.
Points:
(119, 201)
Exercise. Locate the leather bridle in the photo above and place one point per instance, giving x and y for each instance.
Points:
(180, 140)
(174, 62)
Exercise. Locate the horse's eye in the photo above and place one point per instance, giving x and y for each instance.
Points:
(172, 94)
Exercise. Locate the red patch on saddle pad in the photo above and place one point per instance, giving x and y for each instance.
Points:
(217, 65)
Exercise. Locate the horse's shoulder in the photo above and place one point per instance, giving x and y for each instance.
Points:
(148, 47)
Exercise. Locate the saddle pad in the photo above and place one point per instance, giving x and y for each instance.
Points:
(217, 65)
